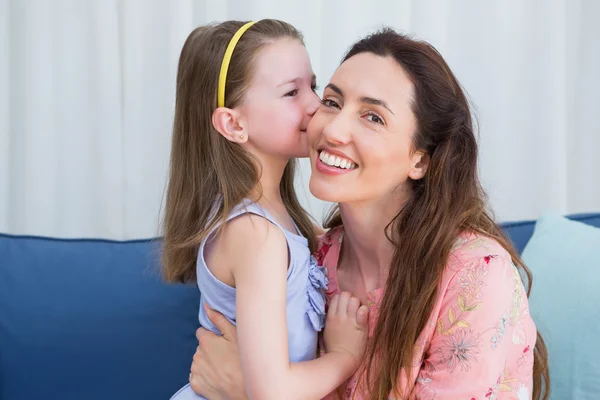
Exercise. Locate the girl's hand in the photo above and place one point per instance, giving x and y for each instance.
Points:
(346, 327)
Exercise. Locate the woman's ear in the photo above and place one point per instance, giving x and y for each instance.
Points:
(419, 164)
(228, 123)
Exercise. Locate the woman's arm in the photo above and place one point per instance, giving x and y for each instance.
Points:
(216, 372)
(484, 337)
(258, 257)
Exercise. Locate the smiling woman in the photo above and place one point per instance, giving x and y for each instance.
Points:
(356, 122)
(412, 237)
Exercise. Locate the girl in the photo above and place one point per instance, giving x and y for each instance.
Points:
(245, 94)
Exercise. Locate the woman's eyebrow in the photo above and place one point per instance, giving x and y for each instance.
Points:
(363, 99)
(335, 89)
(376, 102)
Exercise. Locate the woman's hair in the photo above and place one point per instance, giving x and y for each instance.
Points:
(209, 175)
(448, 200)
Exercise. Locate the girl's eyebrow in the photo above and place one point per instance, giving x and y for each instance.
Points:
(295, 80)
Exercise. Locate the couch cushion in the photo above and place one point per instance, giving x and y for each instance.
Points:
(520, 232)
(90, 319)
(563, 257)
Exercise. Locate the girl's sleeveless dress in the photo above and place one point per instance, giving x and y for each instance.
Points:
(305, 308)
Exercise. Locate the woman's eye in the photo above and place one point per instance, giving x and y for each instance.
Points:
(292, 93)
(375, 118)
(314, 88)
(329, 103)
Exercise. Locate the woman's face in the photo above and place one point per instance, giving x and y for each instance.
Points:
(361, 136)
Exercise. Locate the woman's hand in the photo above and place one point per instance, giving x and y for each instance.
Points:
(216, 372)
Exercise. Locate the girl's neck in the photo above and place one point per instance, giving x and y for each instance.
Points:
(268, 192)
(270, 170)
(269, 182)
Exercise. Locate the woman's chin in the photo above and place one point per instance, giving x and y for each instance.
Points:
(324, 191)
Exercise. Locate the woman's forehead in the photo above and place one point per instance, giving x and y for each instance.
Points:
(370, 75)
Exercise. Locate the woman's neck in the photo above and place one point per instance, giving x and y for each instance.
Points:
(366, 251)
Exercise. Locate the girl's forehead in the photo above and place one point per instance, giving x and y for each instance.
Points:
(281, 62)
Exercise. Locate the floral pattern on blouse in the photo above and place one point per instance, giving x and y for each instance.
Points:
(478, 344)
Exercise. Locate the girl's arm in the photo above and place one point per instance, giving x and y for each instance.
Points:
(257, 255)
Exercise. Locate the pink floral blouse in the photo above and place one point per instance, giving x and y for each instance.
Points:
(478, 344)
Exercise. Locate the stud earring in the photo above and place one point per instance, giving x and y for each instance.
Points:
(242, 137)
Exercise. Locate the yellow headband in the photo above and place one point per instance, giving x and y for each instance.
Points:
(226, 60)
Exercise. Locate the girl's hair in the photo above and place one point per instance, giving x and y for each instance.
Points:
(206, 167)
(447, 201)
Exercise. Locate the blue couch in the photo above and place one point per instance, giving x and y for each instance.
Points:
(90, 319)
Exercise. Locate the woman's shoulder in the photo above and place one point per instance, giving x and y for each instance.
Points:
(473, 247)
(331, 233)
(330, 238)
(474, 252)
(478, 261)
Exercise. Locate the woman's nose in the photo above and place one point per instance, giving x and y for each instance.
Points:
(338, 130)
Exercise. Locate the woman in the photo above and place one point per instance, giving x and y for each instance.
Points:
(412, 238)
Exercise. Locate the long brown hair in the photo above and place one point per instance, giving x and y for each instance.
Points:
(205, 167)
(447, 201)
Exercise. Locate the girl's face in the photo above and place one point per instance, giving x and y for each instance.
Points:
(280, 101)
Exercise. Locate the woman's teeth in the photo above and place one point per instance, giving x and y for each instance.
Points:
(336, 161)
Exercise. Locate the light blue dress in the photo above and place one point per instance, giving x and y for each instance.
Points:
(305, 308)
